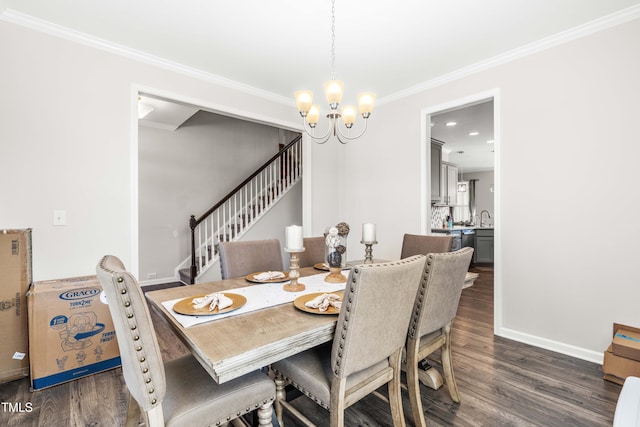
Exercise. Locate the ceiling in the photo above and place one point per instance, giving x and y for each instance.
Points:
(463, 147)
(276, 47)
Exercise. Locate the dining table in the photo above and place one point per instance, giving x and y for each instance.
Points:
(236, 343)
(233, 345)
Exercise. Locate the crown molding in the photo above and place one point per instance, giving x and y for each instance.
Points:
(600, 24)
(15, 17)
(580, 31)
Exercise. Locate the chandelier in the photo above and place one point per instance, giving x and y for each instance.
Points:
(333, 90)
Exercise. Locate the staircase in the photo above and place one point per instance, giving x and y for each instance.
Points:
(230, 218)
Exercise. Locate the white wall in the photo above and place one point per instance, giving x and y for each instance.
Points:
(568, 147)
(185, 172)
(67, 132)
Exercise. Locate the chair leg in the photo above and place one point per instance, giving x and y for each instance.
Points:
(395, 390)
(264, 414)
(281, 396)
(338, 391)
(133, 413)
(447, 366)
(413, 383)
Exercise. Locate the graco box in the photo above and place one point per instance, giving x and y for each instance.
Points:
(15, 278)
(71, 334)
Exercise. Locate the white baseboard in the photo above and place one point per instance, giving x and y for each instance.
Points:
(559, 347)
(160, 281)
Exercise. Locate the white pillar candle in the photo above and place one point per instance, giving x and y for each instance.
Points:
(293, 234)
(368, 233)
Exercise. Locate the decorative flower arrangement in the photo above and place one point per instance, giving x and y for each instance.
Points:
(336, 241)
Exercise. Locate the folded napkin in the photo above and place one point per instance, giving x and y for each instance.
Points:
(268, 275)
(322, 302)
(219, 300)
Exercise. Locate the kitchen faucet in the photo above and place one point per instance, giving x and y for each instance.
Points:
(482, 218)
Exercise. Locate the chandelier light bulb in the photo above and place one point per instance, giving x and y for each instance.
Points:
(304, 98)
(333, 89)
(349, 115)
(365, 103)
(313, 116)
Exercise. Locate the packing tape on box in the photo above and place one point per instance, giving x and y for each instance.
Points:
(626, 337)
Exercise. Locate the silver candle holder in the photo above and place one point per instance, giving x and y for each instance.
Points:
(368, 251)
(294, 274)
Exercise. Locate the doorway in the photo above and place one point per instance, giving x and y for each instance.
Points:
(172, 114)
(485, 166)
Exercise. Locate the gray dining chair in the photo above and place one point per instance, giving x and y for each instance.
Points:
(313, 253)
(435, 307)
(414, 244)
(179, 392)
(367, 347)
(240, 258)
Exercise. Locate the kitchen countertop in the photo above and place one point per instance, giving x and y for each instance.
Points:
(460, 228)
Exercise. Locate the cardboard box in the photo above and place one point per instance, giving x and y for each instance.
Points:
(626, 341)
(71, 334)
(618, 368)
(15, 279)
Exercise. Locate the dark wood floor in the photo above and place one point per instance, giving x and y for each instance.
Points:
(502, 383)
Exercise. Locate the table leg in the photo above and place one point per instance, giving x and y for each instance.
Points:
(281, 396)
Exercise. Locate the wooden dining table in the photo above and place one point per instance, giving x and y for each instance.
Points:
(233, 346)
(230, 347)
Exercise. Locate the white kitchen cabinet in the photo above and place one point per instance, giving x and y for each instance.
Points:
(449, 184)
(436, 175)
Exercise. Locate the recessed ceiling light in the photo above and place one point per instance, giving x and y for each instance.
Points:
(474, 133)
(491, 141)
(451, 123)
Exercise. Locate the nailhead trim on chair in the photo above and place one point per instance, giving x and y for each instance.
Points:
(420, 299)
(343, 335)
(305, 392)
(246, 411)
(142, 359)
(148, 379)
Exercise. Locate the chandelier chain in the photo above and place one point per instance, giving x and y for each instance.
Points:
(333, 39)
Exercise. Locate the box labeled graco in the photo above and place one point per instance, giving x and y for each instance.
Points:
(71, 334)
(15, 278)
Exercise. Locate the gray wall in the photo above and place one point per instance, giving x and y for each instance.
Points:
(185, 172)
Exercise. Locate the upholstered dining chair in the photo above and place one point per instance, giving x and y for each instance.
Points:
(435, 307)
(179, 392)
(366, 351)
(414, 244)
(628, 406)
(240, 258)
(313, 253)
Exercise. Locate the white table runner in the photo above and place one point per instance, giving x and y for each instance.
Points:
(258, 297)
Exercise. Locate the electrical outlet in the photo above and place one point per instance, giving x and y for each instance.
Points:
(152, 276)
(59, 217)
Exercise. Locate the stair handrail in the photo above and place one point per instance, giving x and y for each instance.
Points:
(194, 222)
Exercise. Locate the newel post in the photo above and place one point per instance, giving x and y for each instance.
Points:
(194, 268)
